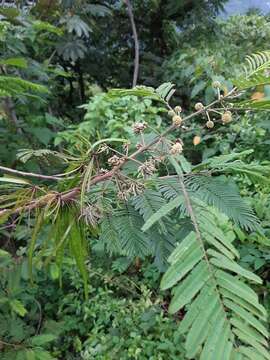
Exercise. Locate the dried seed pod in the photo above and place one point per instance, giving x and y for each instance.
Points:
(139, 127)
(171, 113)
(176, 148)
(199, 106)
(147, 168)
(177, 120)
(114, 160)
(178, 109)
(210, 124)
(123, 195)
(226, 117)
(196, 140)
(216, 85)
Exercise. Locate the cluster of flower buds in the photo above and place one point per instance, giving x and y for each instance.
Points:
(226, 117)
(175, 114)
(147, 168)
(114, 160)
(139, 127)
(177, 147)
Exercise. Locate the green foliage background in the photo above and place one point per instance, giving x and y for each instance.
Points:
(58, 63)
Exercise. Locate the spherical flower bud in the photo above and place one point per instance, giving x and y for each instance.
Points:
(139, 127)
(171, 113)
(176, 148)
(210, 124)
(216, 85)
(199, 106)
(177, 120)
(196, 140)
(178, 109)
(226, 117)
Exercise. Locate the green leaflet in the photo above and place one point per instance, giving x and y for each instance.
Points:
(224, 263)
(246, 316)
(239, 289)
(163, 211)
(38, 225)
(186, 290)
(252, 308)
(250, 353)
(196, 307)
(250, 341)
(216, 342)
(79, 251)
(182, 248)
(247, 329)
(200, 328)
(212, 241)
(180, 268)
(218, 234)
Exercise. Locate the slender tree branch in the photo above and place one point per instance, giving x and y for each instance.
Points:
(29, 174)
(136, 43)
(9, 109)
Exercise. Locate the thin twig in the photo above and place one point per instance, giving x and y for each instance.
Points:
(29, 174)
(136, 43)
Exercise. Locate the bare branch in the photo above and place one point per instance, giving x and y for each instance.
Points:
(136, 43)
(29, 174)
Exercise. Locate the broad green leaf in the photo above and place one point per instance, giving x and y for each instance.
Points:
(17, 307)
(14, 180)
(30, 354)
(40, 340)
(17, 62)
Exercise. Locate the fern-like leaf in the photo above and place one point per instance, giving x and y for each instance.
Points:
(224, 196)
(255, 71)
(213, 285)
